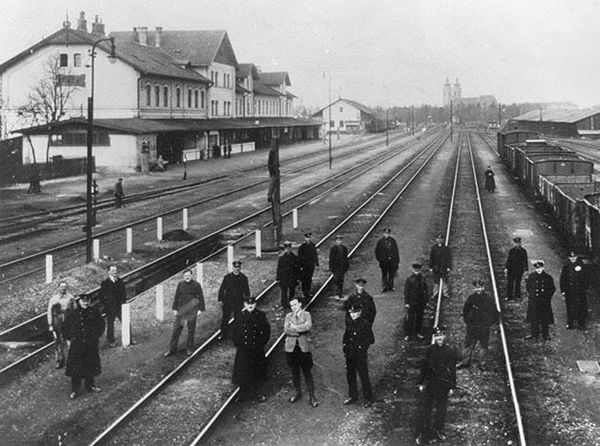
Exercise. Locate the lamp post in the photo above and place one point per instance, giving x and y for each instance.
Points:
(90, 126)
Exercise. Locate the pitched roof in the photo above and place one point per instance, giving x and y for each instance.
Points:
(558, 115)
(265, 90)
(245, 69)
(241, 89)
(274, 78)
(196, 48)
(355, 104)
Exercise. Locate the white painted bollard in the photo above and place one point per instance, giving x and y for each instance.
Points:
(159, 228)
(230, 258)
(185, 219)
(126, 324)
(96, 250)
(295, 218)
(200, 273)
(49, 268)
(258, 243)
(129, 233)
(160, 302)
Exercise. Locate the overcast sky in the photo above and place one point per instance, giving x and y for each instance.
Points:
(378, 52)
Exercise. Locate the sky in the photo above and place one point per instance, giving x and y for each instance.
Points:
(377, 52)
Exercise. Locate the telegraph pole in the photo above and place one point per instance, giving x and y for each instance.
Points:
(274, 194)
(451, 121)
(329, 126)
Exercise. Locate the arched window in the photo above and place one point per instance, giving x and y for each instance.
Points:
(178, 97)
(202, 98)
(148, 95)
(189, 98)
(157, 95)
(165, 96)
(195, 98)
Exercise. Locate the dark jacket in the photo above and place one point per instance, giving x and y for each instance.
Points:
(233, 290)
(189, 299)
(369, 311)
(338, 259)
(112, 296)
(308, 257)
(440, 259)
(386, 252)
(415, 291)
(517, 260)
(573, 279)
(438, 369)
(288, 269)
(119, 189)
(489, 178)
(479, 311)
(251, 332)
(83, 328)
(358, 336)
(539, 307)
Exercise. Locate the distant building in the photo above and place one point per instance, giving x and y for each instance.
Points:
(347, 116)
(559, 122)
(453, 92)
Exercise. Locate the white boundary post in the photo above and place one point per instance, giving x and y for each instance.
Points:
(96, 250)
(185, 219)
(230, 258)
(49, 268)
(129, 233)
(258, 243)
(126, 324)
(295, 218)
(160, 302)
(200, 273)
(159, 228)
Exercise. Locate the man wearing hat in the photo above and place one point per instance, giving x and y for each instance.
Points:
(251, 332)
(436, 381)
(358, 336)
(516, 265)
(540, 287)
(415, 300)
(362, 298)
(440, 262)
(287, 274)
(386, 252)
(234, 289)
(308, 258)
(83, 328)
(338, 265)
(479, 314)
(574, 282)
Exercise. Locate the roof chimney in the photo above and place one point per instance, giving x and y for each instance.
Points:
(82, 22)
(97, 27)
(143, 35)
(158, 36)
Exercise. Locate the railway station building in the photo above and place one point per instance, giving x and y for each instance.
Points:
(345, 116)
(179, 94)
(560, 122)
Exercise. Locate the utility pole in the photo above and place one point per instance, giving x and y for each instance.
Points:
(274, 194)
(329, 136)
(451, 121)
(499, 114)
(387, 132)
(412, 120)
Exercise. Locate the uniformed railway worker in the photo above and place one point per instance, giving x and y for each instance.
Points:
(119, 193)
(415, 300)
(308, 258)
(358, 336)
(296, 327)
(234, 289)
(540, 287)
(338, 265)
(362, 298)
(516, 265)
(112, 296)
(83, 328)
(490, 181)
(437, 381)
(288, 270)
(386, 252)
(479, 314)
(440, 262)
(251, 332)
(574, 282)
(59, 305)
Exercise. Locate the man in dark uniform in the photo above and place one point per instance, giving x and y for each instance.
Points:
(251, 332)
(490, 182)
(540, 287)
(356, 341)
(119, 194)
(386, 252)
(234, 289)
(573, 285)
(83, 328)
(516, 265)
(479, 314)
(287, 274)
(415, 300)
(308, 259)
(362, 298)
(440, 262)
(187, 305)
(436, 381)
(112, 296)
(338, 265)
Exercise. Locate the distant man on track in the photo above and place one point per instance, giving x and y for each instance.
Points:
(516, 265)
(308, 259)
(338, 265)
(234, 289)
(386, 253)
(440, 262)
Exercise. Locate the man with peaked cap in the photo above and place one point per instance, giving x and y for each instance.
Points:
(288, 270)
(415, 300)
(540, 287)
(436, 382)
(516, 265)
(308, 258)
(338, 265)
(234, 289)
(440, 262)
(386, 252)
(251, 332)
(479, 314)
(574, 282)
(362, 298)
(358, 336)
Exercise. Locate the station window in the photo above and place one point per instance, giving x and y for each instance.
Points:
(64, 60)
(165, 96)
(202, 99)
(77, 59)
(189, 98)
(178, 97)
(341, 123)
(195, 98)
(157, 95)
(341, 109)
(148, 96)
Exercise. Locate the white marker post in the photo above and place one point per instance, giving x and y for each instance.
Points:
(295, 218)
(258, 243)
(96, 250)
(185, 219)
(160, 302)
(159, 228)
(230, 258)
(200, 273)
(49, 268)
(129, 237)
(126, 324)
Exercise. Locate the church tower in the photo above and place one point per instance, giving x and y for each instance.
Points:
(456, 93)
(447, 93)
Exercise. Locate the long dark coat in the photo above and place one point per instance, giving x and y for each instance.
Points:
(112, 296)
(251, 332)
(83, 327)
(288, 269)
(369, 311)
(438, 369)
(540, 288)
(479, 313)
(516, 261)
(338, 259)
(490, 182)
(386, 253)
(574, 283)
(308, 256)
(233, 290)
(440, 259)
(415, 291)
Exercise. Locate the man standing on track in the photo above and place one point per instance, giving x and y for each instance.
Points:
(59, 305)
(362, 298)
(119, 194)
(440, 262)
(234, 289)
(573, 285)
(540, 287)
(112, 296)
(308, 258)
(516, 265)
(338, 265)
(287, 274)
(415, 301)
(386, 252)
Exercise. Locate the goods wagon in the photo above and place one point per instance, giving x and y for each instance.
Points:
(552, 164)
(508, 138)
